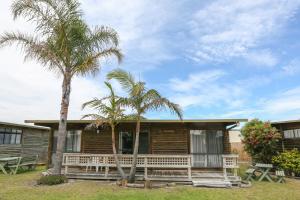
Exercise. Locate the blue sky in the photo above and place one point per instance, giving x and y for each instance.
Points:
(217, 59)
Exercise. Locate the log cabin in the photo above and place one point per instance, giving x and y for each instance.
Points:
(290, 131)
(163, 144)
(24, 140)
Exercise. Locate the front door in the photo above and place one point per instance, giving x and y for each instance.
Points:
(125, 143)
(206, 148)
(144, 143)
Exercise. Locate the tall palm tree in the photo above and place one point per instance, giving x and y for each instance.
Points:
(62, 43)
(109, 111)
(141, 100)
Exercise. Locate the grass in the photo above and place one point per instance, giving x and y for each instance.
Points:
(22, 186)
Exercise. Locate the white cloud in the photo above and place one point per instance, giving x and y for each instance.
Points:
(28, 91)
(292, 68)
(141, 26)
(205, 89)
(261, 58)
(196, 80)
(229, 28)
(285, 102)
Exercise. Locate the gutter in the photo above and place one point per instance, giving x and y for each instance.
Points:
(233, 126)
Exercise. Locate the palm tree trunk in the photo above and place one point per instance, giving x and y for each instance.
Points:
(131, 178)
(113, 137)
(62, 129)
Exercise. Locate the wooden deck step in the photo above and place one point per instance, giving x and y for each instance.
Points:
(218, 183)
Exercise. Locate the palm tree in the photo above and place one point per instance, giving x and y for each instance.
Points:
(62, 43)
(109, 112)
(141, 100)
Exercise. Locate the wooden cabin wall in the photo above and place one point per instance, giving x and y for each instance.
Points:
(93, 142)
(10, 150)
(33, 142)
(169, 139)
(164, 138)
(288, 143)
(226, 144)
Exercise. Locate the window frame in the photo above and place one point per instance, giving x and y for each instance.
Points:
(291, 133)
(75, 134)
(8, 134)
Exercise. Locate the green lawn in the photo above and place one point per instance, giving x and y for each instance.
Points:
(22, 187)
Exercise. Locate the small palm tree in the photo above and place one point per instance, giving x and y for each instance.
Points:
(109, 111)
(141, 100)
(62, 43)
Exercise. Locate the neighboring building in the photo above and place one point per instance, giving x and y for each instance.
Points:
(237, 146)
(235, 136)
(18, 140)
(290, 131)
(205, 140)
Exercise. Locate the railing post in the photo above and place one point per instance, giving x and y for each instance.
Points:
(145, 168)
(106, 166)
(189, 168)
(65, 158)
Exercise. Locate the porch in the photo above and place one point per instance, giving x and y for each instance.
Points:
(171, 168)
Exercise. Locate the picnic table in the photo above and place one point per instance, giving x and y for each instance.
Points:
(5, 161)
(265, 171)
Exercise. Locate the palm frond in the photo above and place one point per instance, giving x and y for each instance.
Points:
(163, 104)
(126, 79)
(34, 49)
(90, 65)
(103, 35)
(111, 111)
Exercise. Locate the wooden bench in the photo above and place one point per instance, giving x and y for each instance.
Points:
(280, 176)
(30, 162)
(250, 174)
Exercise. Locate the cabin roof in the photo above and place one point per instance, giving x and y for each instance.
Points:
(286, 122)
(23, 125)
(224, 121)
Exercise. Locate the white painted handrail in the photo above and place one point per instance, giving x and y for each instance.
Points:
(144, 161)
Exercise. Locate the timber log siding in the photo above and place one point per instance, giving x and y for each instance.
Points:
(34, 141)
(163, 138)
(287, 143)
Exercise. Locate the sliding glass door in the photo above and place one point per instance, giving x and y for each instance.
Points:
(206, 148)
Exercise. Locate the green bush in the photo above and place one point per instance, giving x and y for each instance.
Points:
(260, 140)
(289, 161)
(52, 180)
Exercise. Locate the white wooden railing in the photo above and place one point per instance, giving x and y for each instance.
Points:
(230, 161)
(143, 161)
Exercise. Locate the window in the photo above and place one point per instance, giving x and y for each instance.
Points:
(297, 133)
(73, 141)
(10, 136)
(293, 133)
(125, 143)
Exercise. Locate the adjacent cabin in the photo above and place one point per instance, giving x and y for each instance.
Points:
(22, 140)
(290, 131)
(196, 144)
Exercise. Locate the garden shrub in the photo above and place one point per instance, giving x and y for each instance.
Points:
(260, 140)
(52, 180)
(289, 161)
